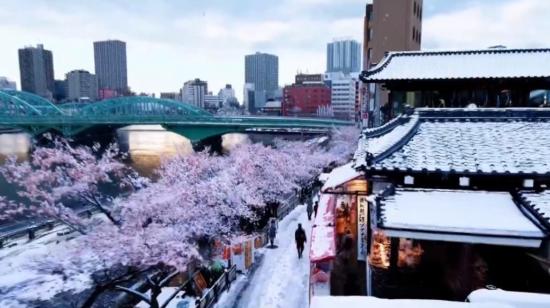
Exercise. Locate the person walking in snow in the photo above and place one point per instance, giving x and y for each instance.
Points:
(309, 209)
(272, 232)
(300, 237)
(315, 207)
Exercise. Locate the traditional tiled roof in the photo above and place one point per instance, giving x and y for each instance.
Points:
(462, 141)
(539, 205)
(469, 64)
(457, 216)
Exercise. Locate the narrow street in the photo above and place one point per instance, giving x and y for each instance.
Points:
(281, 280)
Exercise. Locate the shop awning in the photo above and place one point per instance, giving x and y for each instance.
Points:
(322, 235)
(457, 216)
(339, 176)
(322, 244)
(325, 211)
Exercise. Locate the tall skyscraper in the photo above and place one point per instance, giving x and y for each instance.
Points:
(343, 56)
(194, 92)
(262, 70)
(81, 83)
(36, 69)
(389, 26)
(110, 65)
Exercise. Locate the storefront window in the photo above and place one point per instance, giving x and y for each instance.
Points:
(409, 253)
(380, 251)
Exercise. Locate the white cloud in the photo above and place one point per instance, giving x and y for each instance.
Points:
(520, 23)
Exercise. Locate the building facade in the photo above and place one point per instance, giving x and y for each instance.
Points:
(81, 84)
(262, 70)
(36, 69)
(194, 92)
(170, 95)
(344, 95)
(307, 97)
(110, 65)
(344, 56)
(212, 102)
(388, 26)
(60, 90)
(6, 84)
(226, 94)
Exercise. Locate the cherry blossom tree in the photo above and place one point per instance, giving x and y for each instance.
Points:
(57, 176)
(158, 225)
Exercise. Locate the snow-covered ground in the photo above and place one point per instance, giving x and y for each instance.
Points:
(281, 280)
(20, 282)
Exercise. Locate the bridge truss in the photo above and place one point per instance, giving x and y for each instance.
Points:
(35, 115)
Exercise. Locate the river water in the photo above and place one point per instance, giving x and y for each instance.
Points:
(146, 145)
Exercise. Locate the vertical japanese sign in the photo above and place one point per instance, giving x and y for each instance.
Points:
(362, 210)
(248, 253)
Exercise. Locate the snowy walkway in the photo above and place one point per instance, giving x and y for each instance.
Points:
(281, 280)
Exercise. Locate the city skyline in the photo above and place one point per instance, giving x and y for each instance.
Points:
(159, 60)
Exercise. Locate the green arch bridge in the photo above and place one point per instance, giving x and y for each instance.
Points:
(37, 115)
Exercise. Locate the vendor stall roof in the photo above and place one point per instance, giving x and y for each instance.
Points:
(373, 302)
(463, 141)
(457, 216)
(340, 176)
(466, 64)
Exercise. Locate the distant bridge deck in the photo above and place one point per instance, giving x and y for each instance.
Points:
(36, 115)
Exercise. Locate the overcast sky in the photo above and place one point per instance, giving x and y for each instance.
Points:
(169, 42)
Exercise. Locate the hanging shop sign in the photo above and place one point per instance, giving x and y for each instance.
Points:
(362, 215)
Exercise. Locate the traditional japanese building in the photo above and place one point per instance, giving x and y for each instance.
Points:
(497, 77)
(458, 201)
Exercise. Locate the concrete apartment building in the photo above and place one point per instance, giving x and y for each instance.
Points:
(81, 84)
(306, 96)
(389, 25)
(36, 69)
(194, 92)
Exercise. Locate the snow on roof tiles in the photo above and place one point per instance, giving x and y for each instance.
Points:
(538, 203)
(503, 142)
(469, 64)
(460, 212)
(339, 176)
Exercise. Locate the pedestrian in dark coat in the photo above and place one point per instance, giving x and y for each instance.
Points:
(300, 237)
(315, 207)
(309, 209)
(272, 232)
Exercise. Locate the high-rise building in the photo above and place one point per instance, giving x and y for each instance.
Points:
(306, 96)
(6, 84)
(344, 56)
(388, 26)
(36, 69)
(194, 91)
(262, 70)
(81, 84)
(110, 65)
